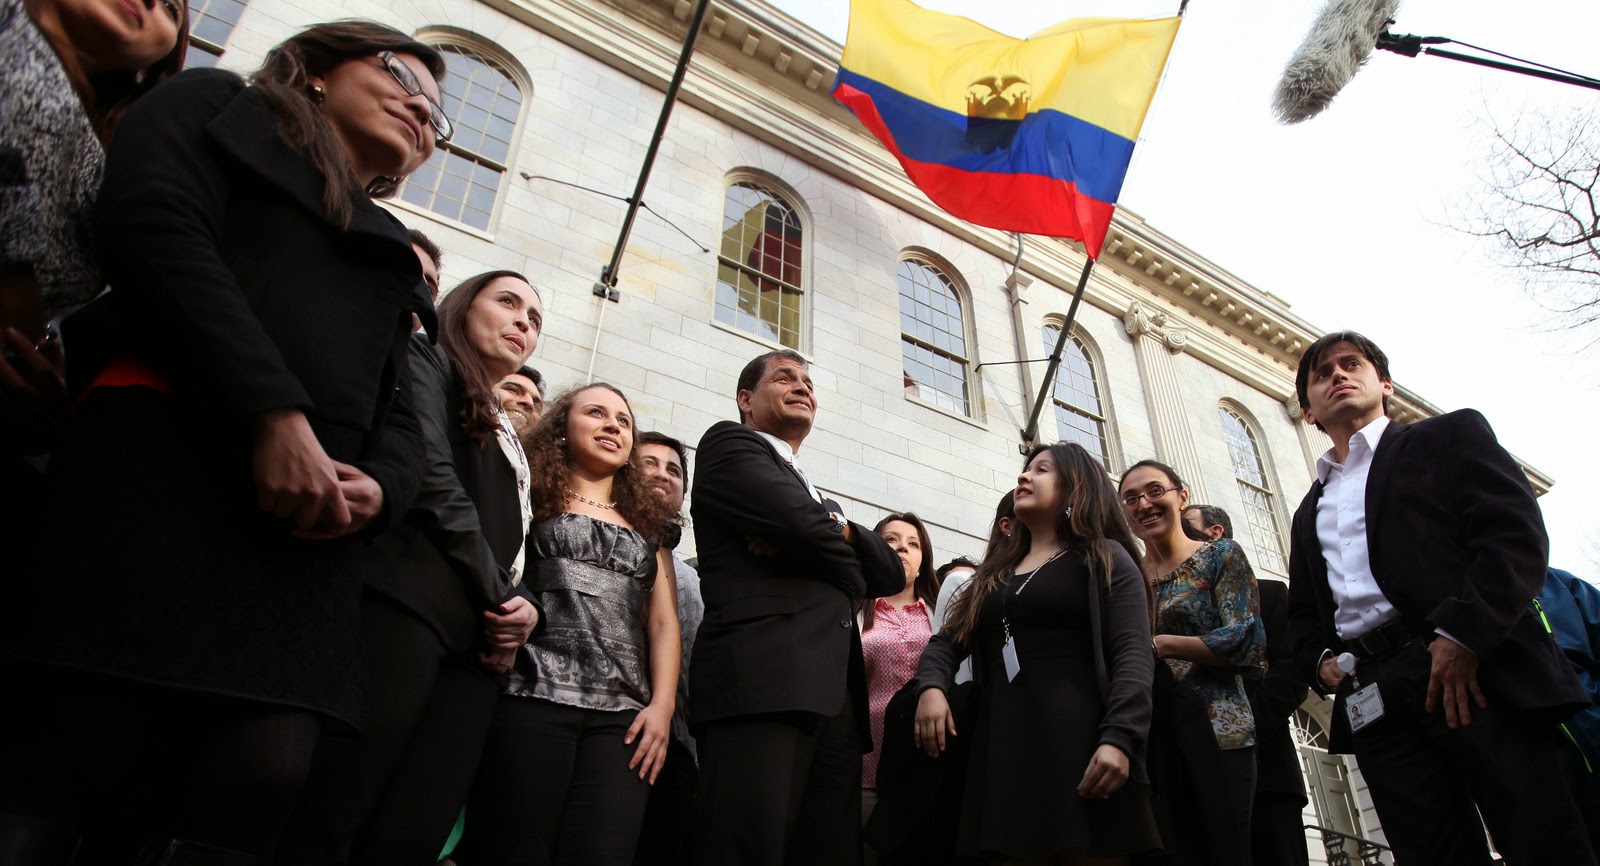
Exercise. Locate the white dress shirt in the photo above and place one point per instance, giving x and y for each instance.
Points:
(793, 459)
(1359, 604)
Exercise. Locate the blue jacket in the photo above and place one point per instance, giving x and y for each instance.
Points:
(1571, 608)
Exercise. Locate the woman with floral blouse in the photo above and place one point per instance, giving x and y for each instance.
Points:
(1208, 630)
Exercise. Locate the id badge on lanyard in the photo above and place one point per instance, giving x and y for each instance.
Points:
(1365, 705)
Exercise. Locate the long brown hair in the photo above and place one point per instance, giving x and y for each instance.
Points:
(108, 95)
(926, 583)
(1089, 524)
(284, 79)
(551, 477)
(480, 411)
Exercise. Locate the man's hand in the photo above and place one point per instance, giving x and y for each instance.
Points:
(1328, 671)
(1454, 677)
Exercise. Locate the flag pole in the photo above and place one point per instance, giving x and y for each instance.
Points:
(1030, 434)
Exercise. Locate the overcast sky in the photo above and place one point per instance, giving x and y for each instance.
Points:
(1347, 216)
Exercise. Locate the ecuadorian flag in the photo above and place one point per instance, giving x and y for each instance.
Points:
(1027, 135)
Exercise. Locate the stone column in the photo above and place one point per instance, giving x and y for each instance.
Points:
(1313, 442)
(1155, 340)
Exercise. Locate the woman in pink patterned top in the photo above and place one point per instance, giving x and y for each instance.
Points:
(894, 631)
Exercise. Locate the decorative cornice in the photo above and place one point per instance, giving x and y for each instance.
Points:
(1139, 320)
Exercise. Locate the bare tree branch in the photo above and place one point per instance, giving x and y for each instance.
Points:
(1539, 214)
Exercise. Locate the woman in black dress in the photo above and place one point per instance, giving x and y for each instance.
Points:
(1059, 633)
(246, 421)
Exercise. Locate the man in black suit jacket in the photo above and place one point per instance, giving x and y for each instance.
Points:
(778, 696)
(1415, 556)
(1277, 834)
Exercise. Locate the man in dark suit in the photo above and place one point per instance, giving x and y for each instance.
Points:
(1277, 831)
(1415, 556)
(778, 696)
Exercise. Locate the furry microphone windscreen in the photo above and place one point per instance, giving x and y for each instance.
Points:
(1339, 42)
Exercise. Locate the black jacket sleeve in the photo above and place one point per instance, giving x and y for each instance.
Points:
(739, 484)
(1130, 659)
(1500, 525)
(392, 458)
(1310, 629)
(159, 222)
(940, 659)
(443, 510)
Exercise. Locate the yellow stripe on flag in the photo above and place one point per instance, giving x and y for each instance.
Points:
(1100, 70)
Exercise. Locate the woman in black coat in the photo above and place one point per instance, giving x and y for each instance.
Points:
(244, 423)
(441, 619)
(1059, 633)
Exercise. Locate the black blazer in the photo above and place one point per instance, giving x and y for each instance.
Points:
(446, 560)
(231, 278)
(1456, 543)
(778, 634)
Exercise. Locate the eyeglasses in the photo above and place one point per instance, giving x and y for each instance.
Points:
(408, 82)
(1152, 493)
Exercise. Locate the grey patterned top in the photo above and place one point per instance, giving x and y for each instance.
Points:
(593, 579)
(51, 164)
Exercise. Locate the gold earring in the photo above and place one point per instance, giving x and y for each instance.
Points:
(318, 94)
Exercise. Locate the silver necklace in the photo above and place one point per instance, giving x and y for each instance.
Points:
(581, 498)
(1059, 551)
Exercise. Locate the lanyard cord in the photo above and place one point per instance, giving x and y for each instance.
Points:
(1005, 600)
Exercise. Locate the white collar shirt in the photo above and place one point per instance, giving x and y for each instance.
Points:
(1359, 603)
(792, 458)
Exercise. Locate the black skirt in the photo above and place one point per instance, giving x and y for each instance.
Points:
(162, 569)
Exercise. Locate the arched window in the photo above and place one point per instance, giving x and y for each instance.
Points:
(1075, 396)
(759, 287)
(461, 181)
(1255, 488)
(211, 22)
(933, 337)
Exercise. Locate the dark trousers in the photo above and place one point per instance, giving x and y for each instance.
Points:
(391, 795)
(554, 788)
(1430, 783)
(1277, 831)
(127, 765)
(781, 791)
(666, 838)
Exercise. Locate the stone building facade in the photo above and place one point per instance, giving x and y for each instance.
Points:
(775, 219)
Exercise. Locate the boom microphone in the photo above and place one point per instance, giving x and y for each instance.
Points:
(1338, 44)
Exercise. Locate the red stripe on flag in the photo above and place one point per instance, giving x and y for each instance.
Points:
(1026, 203)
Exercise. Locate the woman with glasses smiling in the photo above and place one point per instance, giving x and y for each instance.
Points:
(244, 426)
(1208, 629)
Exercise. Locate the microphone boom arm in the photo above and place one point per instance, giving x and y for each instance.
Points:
(1411, 46)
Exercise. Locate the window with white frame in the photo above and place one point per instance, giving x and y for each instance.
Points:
(759, 279)
(933, 337)
(211, 22)
(462, 180)
(1075, 397)
(1255, 489)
